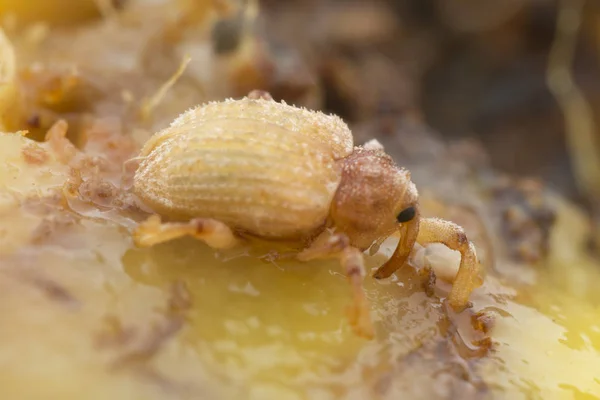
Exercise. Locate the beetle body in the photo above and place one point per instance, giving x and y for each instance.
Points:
(255, 167)
(259, 166)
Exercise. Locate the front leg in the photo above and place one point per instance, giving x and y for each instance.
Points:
(214, 233)
(351, 259)
(434, 230)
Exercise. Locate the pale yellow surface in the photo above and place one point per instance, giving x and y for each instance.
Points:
(254, 330)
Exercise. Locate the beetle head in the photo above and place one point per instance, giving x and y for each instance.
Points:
(375, 198)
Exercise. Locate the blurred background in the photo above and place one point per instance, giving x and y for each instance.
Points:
(518, 78)
(469, 68)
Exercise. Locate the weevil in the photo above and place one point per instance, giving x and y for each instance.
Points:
(225, 172)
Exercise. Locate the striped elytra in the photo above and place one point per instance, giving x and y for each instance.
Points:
(257, 165)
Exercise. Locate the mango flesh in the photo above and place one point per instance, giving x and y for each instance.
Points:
(179, 320)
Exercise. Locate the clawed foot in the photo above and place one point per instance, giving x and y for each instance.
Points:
(359, 318)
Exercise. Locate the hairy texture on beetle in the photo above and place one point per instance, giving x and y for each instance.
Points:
(372, 192)
(259, 166)
(329, 130)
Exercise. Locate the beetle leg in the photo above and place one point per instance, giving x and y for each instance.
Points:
(352, 261)
(325, 246)
(359, 312)
(214, 233)
(434, 230)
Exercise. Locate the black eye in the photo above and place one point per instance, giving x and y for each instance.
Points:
(406, 215)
